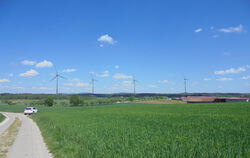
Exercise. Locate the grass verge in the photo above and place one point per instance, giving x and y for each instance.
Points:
(1, 117)
(8, 137)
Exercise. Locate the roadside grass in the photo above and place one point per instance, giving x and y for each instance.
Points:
(8, 137)
(1, 117)
(137, 130)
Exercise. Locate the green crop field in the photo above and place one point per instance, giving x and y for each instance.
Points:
(188, 130)
(1, 117)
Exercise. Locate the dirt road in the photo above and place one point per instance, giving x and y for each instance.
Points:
(29, 142)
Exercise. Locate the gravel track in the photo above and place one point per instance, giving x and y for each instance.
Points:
(29, 142)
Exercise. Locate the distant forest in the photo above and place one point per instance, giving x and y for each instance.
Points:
(5, 96)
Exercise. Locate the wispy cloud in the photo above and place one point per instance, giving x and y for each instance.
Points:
(106, 39)
(117, 66)
(163, 81)
(198, 30)
(230, 71)
(224, 79)
(29, 73)
(104, 74)
(207, 79)
(152, 86)
(81, 84)
(69, 70)
(246, 77)
(11, 75)
(45, 88)
(44, 63)
(68, 84)
(4, 80)
(226, 54)
(215, 36)
(122, 76)
(75, 79)
(127, 83)
(232, 29)
(28, 62)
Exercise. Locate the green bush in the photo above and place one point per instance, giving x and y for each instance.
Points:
(49, 101)
(74, 100)
(131, 98)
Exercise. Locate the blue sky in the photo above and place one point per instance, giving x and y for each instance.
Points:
(159, 42)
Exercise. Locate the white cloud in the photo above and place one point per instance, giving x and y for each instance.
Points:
(69, 70)
(81, 84)
(4, 80)
(121, 76)
(44, 63)
(230, 71)
(11, 75)
(117, 66)
(198, 30)
(232, 29)
(68, 84)
(28, 62)
(101, 45)
(207, 79)
(246, 77)
(152, 86)
(106, 39)
(224, 79)
(211, 28)
(29, 73)
(104, 74)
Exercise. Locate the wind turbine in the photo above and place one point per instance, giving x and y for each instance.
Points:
(185, 85)
(56, 78)
(93, 83)
(134, 81)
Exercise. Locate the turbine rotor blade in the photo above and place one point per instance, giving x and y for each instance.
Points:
(62, 77)
(53, 78)
(55, 68)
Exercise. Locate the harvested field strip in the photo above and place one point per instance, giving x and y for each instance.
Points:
(163, 101)
(8, 137)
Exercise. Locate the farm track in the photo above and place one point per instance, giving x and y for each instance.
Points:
(29, 142)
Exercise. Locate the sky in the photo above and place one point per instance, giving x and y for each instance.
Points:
(156, 42)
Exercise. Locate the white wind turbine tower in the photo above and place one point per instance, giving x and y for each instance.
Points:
(134, 84)
(185, 85)
(56, 78)
(93, 80)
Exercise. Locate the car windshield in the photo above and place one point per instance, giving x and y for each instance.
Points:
(28, 109)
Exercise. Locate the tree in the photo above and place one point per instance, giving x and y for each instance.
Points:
(49, 101)
(74, 100)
